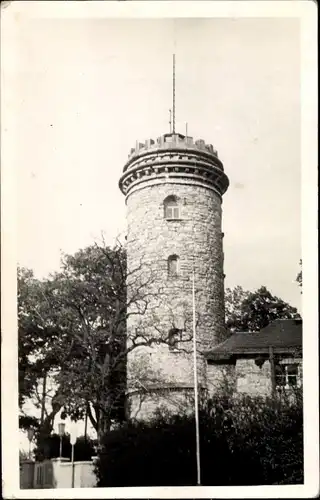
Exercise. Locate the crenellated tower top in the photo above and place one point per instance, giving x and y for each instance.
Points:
(173, 157)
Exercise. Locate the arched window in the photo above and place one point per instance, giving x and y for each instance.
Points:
(173, 264)
(171, 208)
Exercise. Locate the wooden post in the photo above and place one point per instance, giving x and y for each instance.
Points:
(273, 372)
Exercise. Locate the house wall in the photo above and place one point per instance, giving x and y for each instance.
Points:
(221, 378)
(57, 474)
(252, 379)
(246, 376)
(84, 476)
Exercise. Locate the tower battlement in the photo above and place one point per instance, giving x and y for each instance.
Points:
(173, 158)
(172, 141)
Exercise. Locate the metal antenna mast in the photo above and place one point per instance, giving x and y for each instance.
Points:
(174, 96)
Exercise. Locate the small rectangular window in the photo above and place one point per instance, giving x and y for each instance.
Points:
(172, 212)
(292, 375)
(171, 207)
(286, 375)
(169, 212)
(173, 266)
(174, 337)
(176, 213)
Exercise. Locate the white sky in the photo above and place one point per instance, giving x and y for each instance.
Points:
(84, 90)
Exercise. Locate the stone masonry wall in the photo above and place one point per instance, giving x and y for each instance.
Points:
(252, 379)
(144, 406)
(221, 378)
(197, 238)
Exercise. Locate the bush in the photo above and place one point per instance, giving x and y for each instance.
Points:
(243, 441)
(84, 449)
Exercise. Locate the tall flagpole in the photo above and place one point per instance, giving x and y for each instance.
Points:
(196, 402)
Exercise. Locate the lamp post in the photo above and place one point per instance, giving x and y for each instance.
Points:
(61, 430)
(73, 439)
(30, 438)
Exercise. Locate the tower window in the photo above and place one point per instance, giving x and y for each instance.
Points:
(174, 337)
(173, 265)
(171, 208)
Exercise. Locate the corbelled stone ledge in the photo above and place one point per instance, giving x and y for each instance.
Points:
(173, 158)
(165, 387)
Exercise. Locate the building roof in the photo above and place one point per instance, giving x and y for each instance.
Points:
(283, 335)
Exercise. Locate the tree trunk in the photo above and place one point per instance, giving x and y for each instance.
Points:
(47, 426)
(86, 424)
(43, 401)
(104, 426)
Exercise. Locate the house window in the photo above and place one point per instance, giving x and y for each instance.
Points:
(171, 208)
(173, 264)
(286, 376)
(174, 337)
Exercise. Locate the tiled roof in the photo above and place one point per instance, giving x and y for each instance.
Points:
(282, 335)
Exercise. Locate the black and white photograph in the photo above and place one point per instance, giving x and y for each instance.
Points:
(159, 256)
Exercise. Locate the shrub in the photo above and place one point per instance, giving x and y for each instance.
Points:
(243, 441)
(84, 449)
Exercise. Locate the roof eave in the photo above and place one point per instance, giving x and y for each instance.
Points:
(220, 355)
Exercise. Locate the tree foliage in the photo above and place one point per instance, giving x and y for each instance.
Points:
(35, 332)
(77, 318)
(73, 326)
(84, 448)
(38, 337)
(251, 311)
(90, 302)
(265, 435)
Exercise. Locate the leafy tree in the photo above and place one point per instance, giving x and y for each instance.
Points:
(29, 345)
(252, 311)
(234, 298)
(38, 336)
(94, 294)
(84, 448)
(78, 318)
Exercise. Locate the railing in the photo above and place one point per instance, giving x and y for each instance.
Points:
(43, 475)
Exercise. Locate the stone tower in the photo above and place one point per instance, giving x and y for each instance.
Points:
(173, 188)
